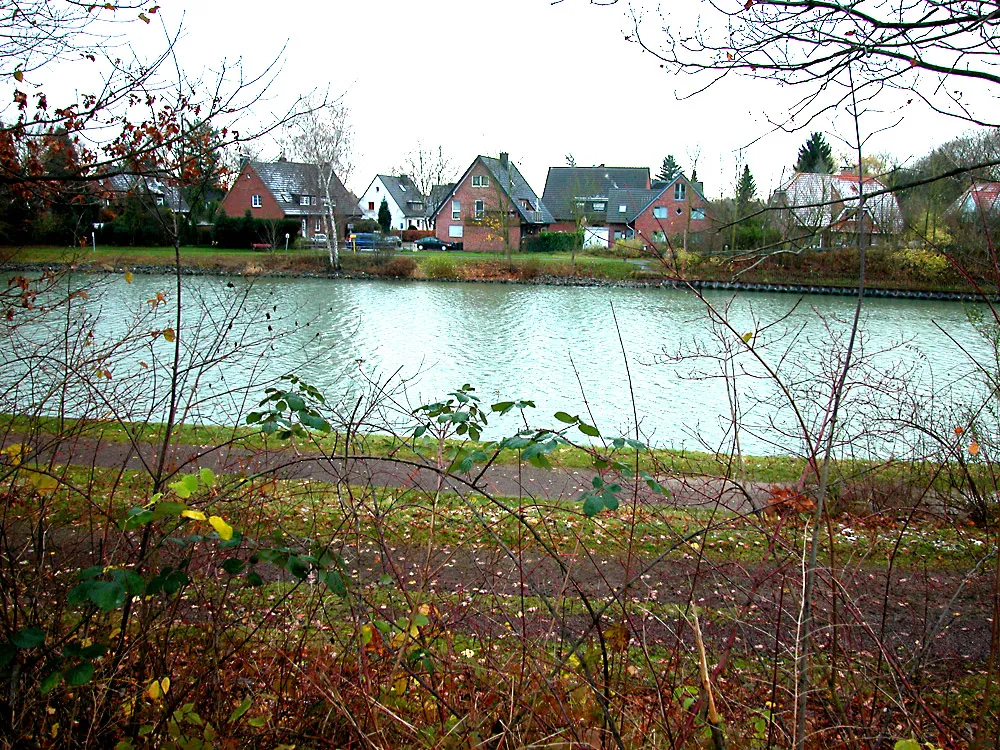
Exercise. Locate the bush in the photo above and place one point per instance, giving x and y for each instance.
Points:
(412, 235)
(439, 268)
(553, 242)
(622, 249)
(365, 225)
(245, 231)
(397, 268)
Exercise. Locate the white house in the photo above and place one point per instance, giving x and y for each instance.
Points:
(406, 204)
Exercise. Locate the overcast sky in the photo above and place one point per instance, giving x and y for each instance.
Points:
(524, 76)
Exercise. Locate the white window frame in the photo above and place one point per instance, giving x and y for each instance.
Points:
(455, 230)
(480, 181)
(312, 200)
(319, 225)
(255, 200)
(479, 208)
(456, 210)
(659, 212)
(303, 200)
(680, 191)
(600, 206)
(622, 208)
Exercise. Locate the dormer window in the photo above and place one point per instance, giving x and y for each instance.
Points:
(303, 200)
(600, 206)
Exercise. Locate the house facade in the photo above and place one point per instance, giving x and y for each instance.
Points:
(672, 211)
(289, 190)
(578, 197)
(978, 199)
(825, 211)
(490, 208)
(407, 206)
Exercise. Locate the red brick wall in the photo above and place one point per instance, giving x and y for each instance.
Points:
(677, 218)
(486, 235)
(240, 196)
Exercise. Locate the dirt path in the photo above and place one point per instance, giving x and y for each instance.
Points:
(500, 479)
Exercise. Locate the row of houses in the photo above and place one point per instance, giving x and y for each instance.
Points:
(491, 206)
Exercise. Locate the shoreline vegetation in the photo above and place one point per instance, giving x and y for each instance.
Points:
(895, 273)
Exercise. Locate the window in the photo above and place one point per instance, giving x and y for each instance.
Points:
(319, 225)
(159, 200)
(313, 200)
(622, 208)
(659, 212)
(579, 205)
(456, 210)
(698, 214)
(480, 181)
(679, 210)
(303, 200)
(455, 230)
(255, 201)
(480, 209)
(371, 205)
(526, 204)
(600, 206)
(659, 236)
(680, 191)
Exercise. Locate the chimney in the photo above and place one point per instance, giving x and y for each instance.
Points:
(504, 159)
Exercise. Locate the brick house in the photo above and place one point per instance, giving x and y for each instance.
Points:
(673, 211)
(578, 197)
(289, 190)
(491, 207)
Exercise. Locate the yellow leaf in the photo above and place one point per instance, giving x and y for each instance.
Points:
(168, 334)
(153, 691)
(128, 277)
(45, 484)
(974, 448)
(224, 529)
(18, 76)
(144, 18)
(746, 337)
(165, 685)
(195, 515)
(16, 452)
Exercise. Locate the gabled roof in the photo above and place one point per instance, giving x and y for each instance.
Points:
(288, 181)
(405, 193)
(564, 186)
(439, 194)
(823, 200)
(506, 174)
(158, 189)
(980, 196)
(637, 201)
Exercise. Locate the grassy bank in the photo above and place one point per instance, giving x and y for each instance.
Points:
(916, 270)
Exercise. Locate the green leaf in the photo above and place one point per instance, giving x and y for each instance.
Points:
(167, 508)
(906, 745)
(79, 675)
(185, 486)
(207, 477)
(597, 482)
(335, 581)
(295, 403)
(502, 406)
(567, 418)
(240, 710)
(611, 502)
(588, 430)
(254, 580)
(29, 638)
(233, 566)
(257, 721)
(107, 595)
(7, 653)
(592, 505)
(49, 683)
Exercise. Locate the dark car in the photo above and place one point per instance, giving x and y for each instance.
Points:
(373, 241)
(432, 243)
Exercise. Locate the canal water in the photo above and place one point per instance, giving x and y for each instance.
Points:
(747, 370)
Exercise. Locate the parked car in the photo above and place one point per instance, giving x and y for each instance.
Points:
(318, 239)
(431, 243)
(374, 241)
